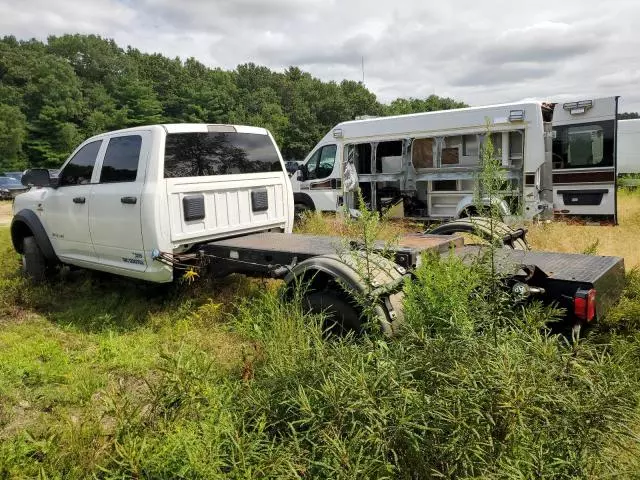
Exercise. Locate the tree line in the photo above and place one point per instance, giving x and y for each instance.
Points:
(56, 93)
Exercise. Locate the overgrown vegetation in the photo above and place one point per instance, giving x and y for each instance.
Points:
(575, 237)
(112, 380)
(105, 377)
(55, 94)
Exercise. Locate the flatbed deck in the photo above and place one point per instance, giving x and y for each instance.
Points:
(559, 274)
(281, 248)
(569, 267)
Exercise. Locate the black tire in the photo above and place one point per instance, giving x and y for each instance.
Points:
(341, 317)
(468, 212)
(34, 263)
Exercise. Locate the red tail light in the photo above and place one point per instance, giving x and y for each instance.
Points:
(584, 304)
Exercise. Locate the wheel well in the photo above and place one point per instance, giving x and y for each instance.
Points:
(470, 211)
(319, 281)
(19, 231)
(303, 199)
(311, 281)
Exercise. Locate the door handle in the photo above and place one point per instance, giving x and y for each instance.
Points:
(79, 200)
(129, 200)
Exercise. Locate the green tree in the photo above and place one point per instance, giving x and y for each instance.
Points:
(360, 100)
(53, 104)
(13, 131)
(403, 106)
(57, 93)
(94, 59)
(138, 102)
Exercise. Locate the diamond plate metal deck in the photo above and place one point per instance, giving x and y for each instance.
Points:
(572, 267)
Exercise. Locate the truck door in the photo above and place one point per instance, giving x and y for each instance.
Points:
(584, 158)
(322, 182)
(66, 208)
(114, 214)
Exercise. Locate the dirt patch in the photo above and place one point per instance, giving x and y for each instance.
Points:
(5, 213)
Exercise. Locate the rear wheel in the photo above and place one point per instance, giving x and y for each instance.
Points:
(34, 263)
(341, 317)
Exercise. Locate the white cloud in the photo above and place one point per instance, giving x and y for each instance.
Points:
(485, 52)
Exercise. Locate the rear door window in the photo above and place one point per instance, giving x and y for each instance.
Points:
(79, 169)
(219, 153)
(121, 159)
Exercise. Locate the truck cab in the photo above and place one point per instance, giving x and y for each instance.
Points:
(124, 197)
(317, 183)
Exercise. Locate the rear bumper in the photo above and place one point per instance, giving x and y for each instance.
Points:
(563, 274)
(566, 273)
(609, 287)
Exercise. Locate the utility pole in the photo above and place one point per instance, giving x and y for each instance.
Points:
(362, 70)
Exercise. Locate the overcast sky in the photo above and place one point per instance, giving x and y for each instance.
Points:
(480, 52)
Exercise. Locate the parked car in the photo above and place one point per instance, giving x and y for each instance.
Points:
(16, 175)
(10, 187)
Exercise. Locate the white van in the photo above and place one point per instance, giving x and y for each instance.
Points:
(430, 161)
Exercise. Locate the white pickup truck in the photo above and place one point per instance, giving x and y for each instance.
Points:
(148, 202)
(123, 195)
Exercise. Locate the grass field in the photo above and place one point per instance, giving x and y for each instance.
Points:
(100, 376)
(605, 240)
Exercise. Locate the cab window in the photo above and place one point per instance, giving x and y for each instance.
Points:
(196, 154)
(320, 165)
(79, 169)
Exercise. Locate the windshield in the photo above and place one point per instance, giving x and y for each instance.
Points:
(216, 153)
(9, 182)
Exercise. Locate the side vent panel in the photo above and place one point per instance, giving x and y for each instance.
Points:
(193, 207)
(259, 201)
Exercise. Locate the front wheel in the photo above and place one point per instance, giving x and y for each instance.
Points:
(34, 263)
(341, 317)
